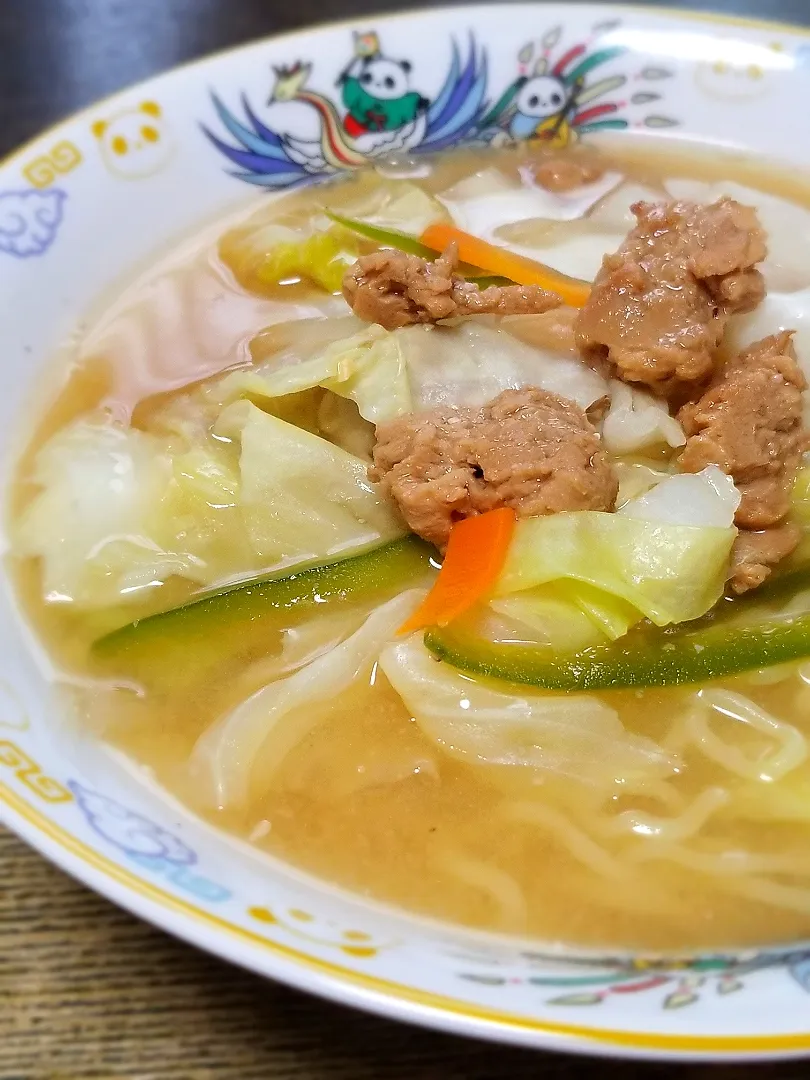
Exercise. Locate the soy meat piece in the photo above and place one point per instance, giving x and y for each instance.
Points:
(395, 289)
(659, 306)
(528, 449)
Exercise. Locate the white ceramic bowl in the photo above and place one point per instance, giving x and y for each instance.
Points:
(77, 214)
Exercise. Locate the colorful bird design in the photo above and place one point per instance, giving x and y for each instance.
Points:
(554, 100)
(682, 983)
(303, 137)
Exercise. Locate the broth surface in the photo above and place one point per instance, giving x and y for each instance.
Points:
(714, 855)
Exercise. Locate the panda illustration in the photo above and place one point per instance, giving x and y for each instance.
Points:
(539, 100)
(376, 92)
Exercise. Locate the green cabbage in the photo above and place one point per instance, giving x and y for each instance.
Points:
(302, 499)
(393, 204)
(670, 573)
(292, 238)
(240, 753)
(388, 374)
(550, 618)
(566, 615)
(267, 254)
(119, 511)
(572, 735)
(322, 258)
(369, 367)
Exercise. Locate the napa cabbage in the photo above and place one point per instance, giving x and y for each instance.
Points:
(119, 511)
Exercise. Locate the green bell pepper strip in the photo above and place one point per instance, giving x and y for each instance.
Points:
(666, 658)
(202, 633)
(718, 644)
(392, 238)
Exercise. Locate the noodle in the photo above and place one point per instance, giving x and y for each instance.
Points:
(788, 897)
(579, 845)
(500, 887)
(793, 744)
(664, 818)
(735, 872)
(686, 824)
(726, 863)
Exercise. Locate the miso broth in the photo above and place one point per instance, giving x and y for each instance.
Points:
(687, 825)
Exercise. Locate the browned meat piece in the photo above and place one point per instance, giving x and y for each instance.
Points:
(755, 554)
(659, 306)
(395, 289)
(749, 422)
(527, 449)
(564, 172)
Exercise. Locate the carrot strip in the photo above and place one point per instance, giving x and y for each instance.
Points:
(475, 556)
(503, 263)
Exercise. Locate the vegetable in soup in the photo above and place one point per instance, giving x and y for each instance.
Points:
(447, 537)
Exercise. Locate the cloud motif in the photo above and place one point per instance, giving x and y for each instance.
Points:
(131, 832)
(29, 221)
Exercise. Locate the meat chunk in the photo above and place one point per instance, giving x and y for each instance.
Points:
(749, 422)
(755, 554)
(560, 173)
(659, 306)
(395, 289)
(528, 449)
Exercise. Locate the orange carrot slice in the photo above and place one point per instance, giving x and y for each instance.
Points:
(475, 556)
(498, 261)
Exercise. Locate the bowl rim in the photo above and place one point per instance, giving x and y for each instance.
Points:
(345, 986)
(287, 964)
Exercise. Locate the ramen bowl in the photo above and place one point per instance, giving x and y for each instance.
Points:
(96, 198)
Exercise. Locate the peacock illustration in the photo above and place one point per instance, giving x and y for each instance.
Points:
(554, 97)
(302, 136)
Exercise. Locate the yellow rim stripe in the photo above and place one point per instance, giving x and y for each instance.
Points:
(392, 991)
(764, 1044)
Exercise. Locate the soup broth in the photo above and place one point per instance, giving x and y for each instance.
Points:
(685, 819)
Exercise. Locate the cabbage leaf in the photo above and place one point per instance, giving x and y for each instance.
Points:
(567, 615)
(572, 735)
(295, 239)
(400, 205)
(281, 714)
(302, 499)
(390, 373)
(636, 420)
(488, 200)
(670, 573)
(119, 511)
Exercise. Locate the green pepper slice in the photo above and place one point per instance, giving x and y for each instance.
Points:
(401, 241)
(739, 636)
(208, 631)
(666, 658)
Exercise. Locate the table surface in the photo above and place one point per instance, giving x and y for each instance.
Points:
(87, 990)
